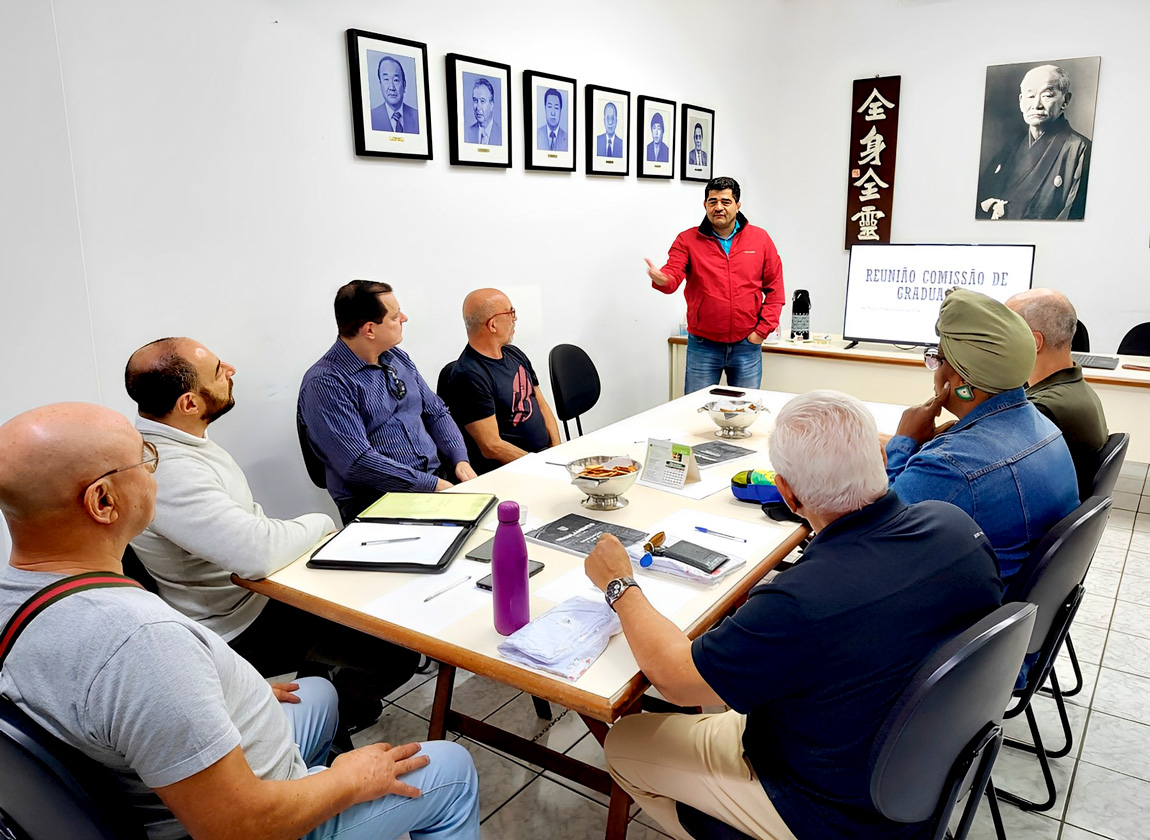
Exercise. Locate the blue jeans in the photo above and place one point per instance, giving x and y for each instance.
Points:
(447, 810)
(707, 360)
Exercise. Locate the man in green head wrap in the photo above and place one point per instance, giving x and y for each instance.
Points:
(1002, 462)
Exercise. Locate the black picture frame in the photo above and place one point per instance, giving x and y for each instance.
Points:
(653, 161)
(375, 135)
(540, 151)
(597, 98)
(689, 168)
(473, 81)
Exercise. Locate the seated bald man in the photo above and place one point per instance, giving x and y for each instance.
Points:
(208, 526)
(1003, 463)
(161, 700)
(493, 392)
(814, 660)
(1056, 387)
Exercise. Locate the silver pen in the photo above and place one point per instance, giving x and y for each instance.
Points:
(392, 540)
(447, 588)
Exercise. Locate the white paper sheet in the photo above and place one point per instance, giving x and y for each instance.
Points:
(428, 549)
(706, 486)
(681, 524)
(406, 605)
(667, 596)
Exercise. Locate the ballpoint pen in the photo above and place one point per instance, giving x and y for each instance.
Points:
(447, 588)
(393, 540)
(703, 530)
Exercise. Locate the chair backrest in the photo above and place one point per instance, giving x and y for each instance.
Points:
(1081, 341)
(138, 572)
(920, 763)
(1058, 564)
(1110, 460)
(1136, 342)
(315, 468)
(574, 383)
(441, 383)
(51, 791)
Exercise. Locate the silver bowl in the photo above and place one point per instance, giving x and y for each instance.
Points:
(604, 493)
(733, 416)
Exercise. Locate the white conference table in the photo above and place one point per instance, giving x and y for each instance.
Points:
(456, 628)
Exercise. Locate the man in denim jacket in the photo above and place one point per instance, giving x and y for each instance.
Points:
(1002, 462)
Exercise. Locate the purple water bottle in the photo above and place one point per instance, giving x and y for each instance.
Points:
(509, 572)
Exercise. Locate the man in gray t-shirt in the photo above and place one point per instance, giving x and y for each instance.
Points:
(164, 702)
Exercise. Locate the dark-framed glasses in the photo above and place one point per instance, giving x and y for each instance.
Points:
(150, 462)
(395, 386)
(932, 358)
(510, 312)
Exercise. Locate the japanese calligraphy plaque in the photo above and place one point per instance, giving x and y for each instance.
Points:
(870, 173)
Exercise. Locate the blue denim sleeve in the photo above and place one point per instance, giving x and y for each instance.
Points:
(898, 451)
(925, 474)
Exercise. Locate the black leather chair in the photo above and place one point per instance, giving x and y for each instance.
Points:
(1052, 579)
(441, 383)
(51, 791)
(315, 469)
(574, 384)
(1081, 341)
(138, 572)
(1136, 342)
(938, 744)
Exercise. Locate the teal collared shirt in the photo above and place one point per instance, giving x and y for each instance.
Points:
(726, 241)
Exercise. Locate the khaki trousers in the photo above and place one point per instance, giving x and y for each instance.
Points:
(694, 759)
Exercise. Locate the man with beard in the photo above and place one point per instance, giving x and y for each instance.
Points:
(208, 526)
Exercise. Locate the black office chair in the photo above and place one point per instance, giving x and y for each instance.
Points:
(441, 383)
(52, 791)
(315, 468)
(939, 742)
(1081, 341)
(1136, 342)
(138, 572)
(574, 384)
(1052, 579)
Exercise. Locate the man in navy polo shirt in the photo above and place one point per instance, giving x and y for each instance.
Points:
(812, 663)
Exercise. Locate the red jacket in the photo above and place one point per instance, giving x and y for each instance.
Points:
(728, 298)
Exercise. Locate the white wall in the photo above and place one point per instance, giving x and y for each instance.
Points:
(217, 195)
(941, 49)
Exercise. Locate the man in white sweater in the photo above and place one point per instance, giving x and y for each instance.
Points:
(208, 526)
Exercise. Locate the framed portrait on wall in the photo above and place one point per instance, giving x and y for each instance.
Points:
(478, 111)
(698, 143)
(607, 122)
(549, 137)
(390, 95)
(655, 138)
(1037, 136)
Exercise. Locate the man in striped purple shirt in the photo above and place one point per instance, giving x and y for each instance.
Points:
(369, 415)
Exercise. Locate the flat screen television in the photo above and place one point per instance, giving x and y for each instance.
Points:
(894, 291)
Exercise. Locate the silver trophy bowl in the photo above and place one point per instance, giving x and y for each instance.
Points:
(733, 416)
(604, 493)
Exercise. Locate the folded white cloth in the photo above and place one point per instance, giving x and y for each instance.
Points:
(565, 640)
(674, 568)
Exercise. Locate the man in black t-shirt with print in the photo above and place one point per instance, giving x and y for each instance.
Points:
(493, 392)
(813, 662)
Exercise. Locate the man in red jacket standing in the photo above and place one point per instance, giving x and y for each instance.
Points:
(734, 290)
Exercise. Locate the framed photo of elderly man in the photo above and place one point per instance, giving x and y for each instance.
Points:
(1037, 125)
(390, 96)
(478, 111)
(549, 137)
(698, 143)
(655, 138)
(607, 123)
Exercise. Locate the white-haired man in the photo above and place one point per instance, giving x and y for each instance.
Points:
(812, 663)
(1056, 387)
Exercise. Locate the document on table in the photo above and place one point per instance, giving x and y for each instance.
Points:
(748, 537)
(707, 485)
(666, 595)
(423, 545)
(406, 606)
(717, 452)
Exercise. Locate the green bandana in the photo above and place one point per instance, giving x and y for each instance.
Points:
(991, 347)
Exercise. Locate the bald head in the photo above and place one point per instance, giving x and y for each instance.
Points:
(1047, 312)
(48, 455)
(480, 306)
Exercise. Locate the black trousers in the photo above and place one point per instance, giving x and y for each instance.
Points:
(363, 668)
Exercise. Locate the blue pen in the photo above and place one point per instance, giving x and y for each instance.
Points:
(703, 530)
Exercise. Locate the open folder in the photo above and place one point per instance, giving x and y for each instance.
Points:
(405, 532)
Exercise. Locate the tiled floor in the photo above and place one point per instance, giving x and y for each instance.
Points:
(1103, 785)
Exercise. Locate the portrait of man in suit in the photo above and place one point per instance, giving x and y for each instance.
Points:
(609, 144)
(657, 150)
(394, 114)
(485, 130)
(698, 157)
(551, 135)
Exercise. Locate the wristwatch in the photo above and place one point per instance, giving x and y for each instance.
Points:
(616, 588)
